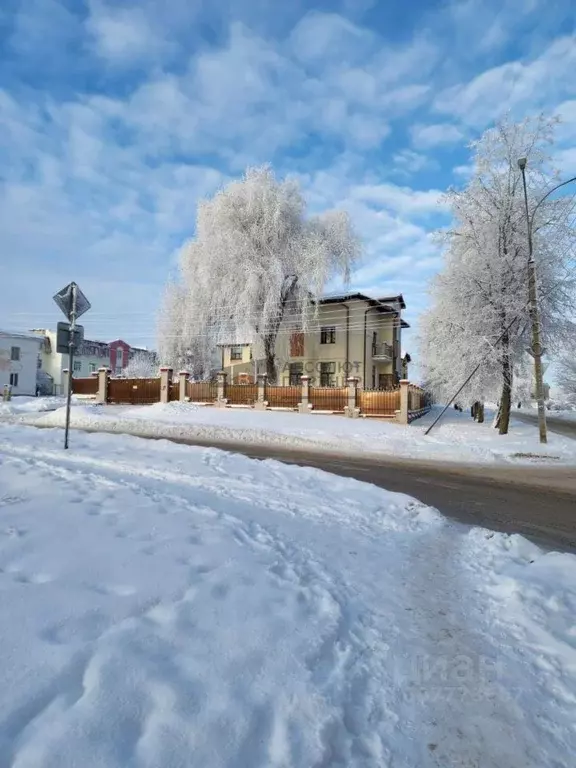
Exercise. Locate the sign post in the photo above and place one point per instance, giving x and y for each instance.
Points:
(73, 303)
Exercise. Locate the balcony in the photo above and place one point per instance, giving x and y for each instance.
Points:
(382, 351)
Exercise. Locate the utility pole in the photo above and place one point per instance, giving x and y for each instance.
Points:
(73, 288)
(536, 349)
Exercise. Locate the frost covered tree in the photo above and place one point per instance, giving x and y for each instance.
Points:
(566, 368)
(178, 347)
(142, 365)
(479, 309)
(257, 262)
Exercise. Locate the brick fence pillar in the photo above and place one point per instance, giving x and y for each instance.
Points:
(261, 404)
(183, 378)
(221, 395)
(402, 414)
(351, 409)
(304, 405)
(103, 379)
(165, 380)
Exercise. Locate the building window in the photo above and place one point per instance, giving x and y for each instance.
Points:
(297, 344)
(328, 335)
(296, 372)
(327, 371)
(14, 353)
(91, 367)
(14, 378)
(235, 353)
(77, 366)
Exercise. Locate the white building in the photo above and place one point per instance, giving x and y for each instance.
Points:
(19, 356)
(87, 359)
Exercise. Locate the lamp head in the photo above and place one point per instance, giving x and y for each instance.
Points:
(522, 162)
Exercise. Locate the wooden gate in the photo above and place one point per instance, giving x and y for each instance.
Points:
(134, 391)
(88, 386)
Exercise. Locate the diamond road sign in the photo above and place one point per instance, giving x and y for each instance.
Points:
(64, 299)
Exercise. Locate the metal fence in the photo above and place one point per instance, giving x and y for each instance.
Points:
(87, 386)
(376, 402)
(202, 391)
(134, 391)
(283, 397)
(241, 394)
(328, 398)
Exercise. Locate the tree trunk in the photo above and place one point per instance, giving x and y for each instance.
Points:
(506, 398)
(480, 412)
(269, 347)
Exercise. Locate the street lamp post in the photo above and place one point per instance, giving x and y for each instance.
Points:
(536, 349)
(534, 312)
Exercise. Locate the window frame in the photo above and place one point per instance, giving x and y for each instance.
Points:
(328, 334)
(236, 353)
(14, 379)
(327, 372)
(15, 354)
(77, 369)
(295, 373)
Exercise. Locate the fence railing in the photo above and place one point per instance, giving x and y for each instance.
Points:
(133, 391)
(382, 351)
(88, 386)
(283, 397)
(375, 402)
(201, 391)
(328, 398)
(405, 403)
(241, 394)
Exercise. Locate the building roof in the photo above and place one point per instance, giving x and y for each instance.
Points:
(337, 298)
(18, 335)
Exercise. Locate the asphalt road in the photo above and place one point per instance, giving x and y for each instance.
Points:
(561, 426)
(538, 502)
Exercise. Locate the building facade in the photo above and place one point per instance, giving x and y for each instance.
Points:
(352, 335)
(19, 362)
(90, 356)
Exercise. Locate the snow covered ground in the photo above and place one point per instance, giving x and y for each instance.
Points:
(458, 438)
(23, 405)
(162, 605)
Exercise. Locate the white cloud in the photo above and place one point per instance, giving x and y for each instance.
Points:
(427, 136)
(401, 199)
(124, 35)
(513, 85)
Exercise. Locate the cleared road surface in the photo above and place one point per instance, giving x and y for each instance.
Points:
(561, 426)
(538, 502)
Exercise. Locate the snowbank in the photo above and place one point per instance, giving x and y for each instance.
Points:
(23, 405)
(457, 439)
(169, 606)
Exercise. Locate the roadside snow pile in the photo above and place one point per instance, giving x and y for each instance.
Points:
(458, 438)
(162, 605)
(24, 405)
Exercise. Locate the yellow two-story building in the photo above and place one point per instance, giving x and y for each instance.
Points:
(350, 335)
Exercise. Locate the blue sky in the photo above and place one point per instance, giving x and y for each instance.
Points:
(116, 117)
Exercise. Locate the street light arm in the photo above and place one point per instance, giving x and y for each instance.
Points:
(547, 195)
